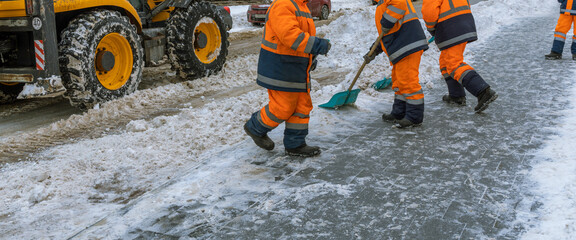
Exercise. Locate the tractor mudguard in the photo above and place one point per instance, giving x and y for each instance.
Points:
(66, 5)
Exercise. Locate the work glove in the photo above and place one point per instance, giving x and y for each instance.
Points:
(368, 58)
(321, 46)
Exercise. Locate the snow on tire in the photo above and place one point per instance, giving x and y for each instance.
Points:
(101, 58)
(197, 40)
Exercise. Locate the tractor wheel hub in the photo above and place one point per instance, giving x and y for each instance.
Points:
(105, 61)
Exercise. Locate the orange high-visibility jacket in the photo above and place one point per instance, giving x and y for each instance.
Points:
(451, 21)
(288, 38)
(403, 32)
(568, 7)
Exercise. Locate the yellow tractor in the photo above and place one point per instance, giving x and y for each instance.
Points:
(94, 51)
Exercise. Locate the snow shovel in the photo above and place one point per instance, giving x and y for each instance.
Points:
(384, 83)
(350, 96)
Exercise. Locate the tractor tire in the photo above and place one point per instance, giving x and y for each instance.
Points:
(197, 40)
(101, 58)
(8, 93)
(324, 12)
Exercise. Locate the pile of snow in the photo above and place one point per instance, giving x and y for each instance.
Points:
(556, 178)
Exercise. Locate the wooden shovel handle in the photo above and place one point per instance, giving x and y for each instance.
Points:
(374, 46)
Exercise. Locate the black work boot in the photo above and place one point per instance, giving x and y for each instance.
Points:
(390, 118)
(262, 141)
(484, 99)
(461, 101)
(303, 151)
(553, 56)
(405, 123)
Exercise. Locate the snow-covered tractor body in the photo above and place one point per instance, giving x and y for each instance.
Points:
(94, 51)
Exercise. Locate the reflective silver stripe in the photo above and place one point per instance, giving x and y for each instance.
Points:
(411, 101)
(272, 116)
(456, 39)
(407, 17)
(380, 3)
(259, 118)
(269, 44)
(407, 48)
(568, 11)
(298, 41)
(431, 23)
(303, 14)
(295, 5)
(400, 97)
(268, 12)
(266, 42)
(414, 93)
(296, 126)
(446, 75)
(396, 10)
(561, 34)
(453, 73)
(283, 84)
(300, 13)
(389, 18)
(301, 115)
(464, 75)
(415, 101)
(453, 10)
(560, 39)
(310, 44)
(451, 4)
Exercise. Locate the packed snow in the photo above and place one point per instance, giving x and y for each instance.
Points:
(77, 184)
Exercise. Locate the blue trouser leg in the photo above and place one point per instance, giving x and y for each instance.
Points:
(455, 89)
(255, 126)
(415, 112)
(558, 46)
(294, 138)
(398, 109)
(474, 83)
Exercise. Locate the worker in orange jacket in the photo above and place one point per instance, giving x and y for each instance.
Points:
(404, 42)
(565, 21)
(287, 53)
(452, 24)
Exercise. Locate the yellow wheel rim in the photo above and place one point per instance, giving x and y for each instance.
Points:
(208, 34)
(113, 61)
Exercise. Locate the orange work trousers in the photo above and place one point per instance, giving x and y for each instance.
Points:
(291, 107)
(452, 62)
(405, 80)
(564, 24)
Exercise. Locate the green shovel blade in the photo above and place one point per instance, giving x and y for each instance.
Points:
(341, 99)
(384, 83)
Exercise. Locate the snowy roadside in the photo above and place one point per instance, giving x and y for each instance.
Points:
(77, 184)
(555, 177)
